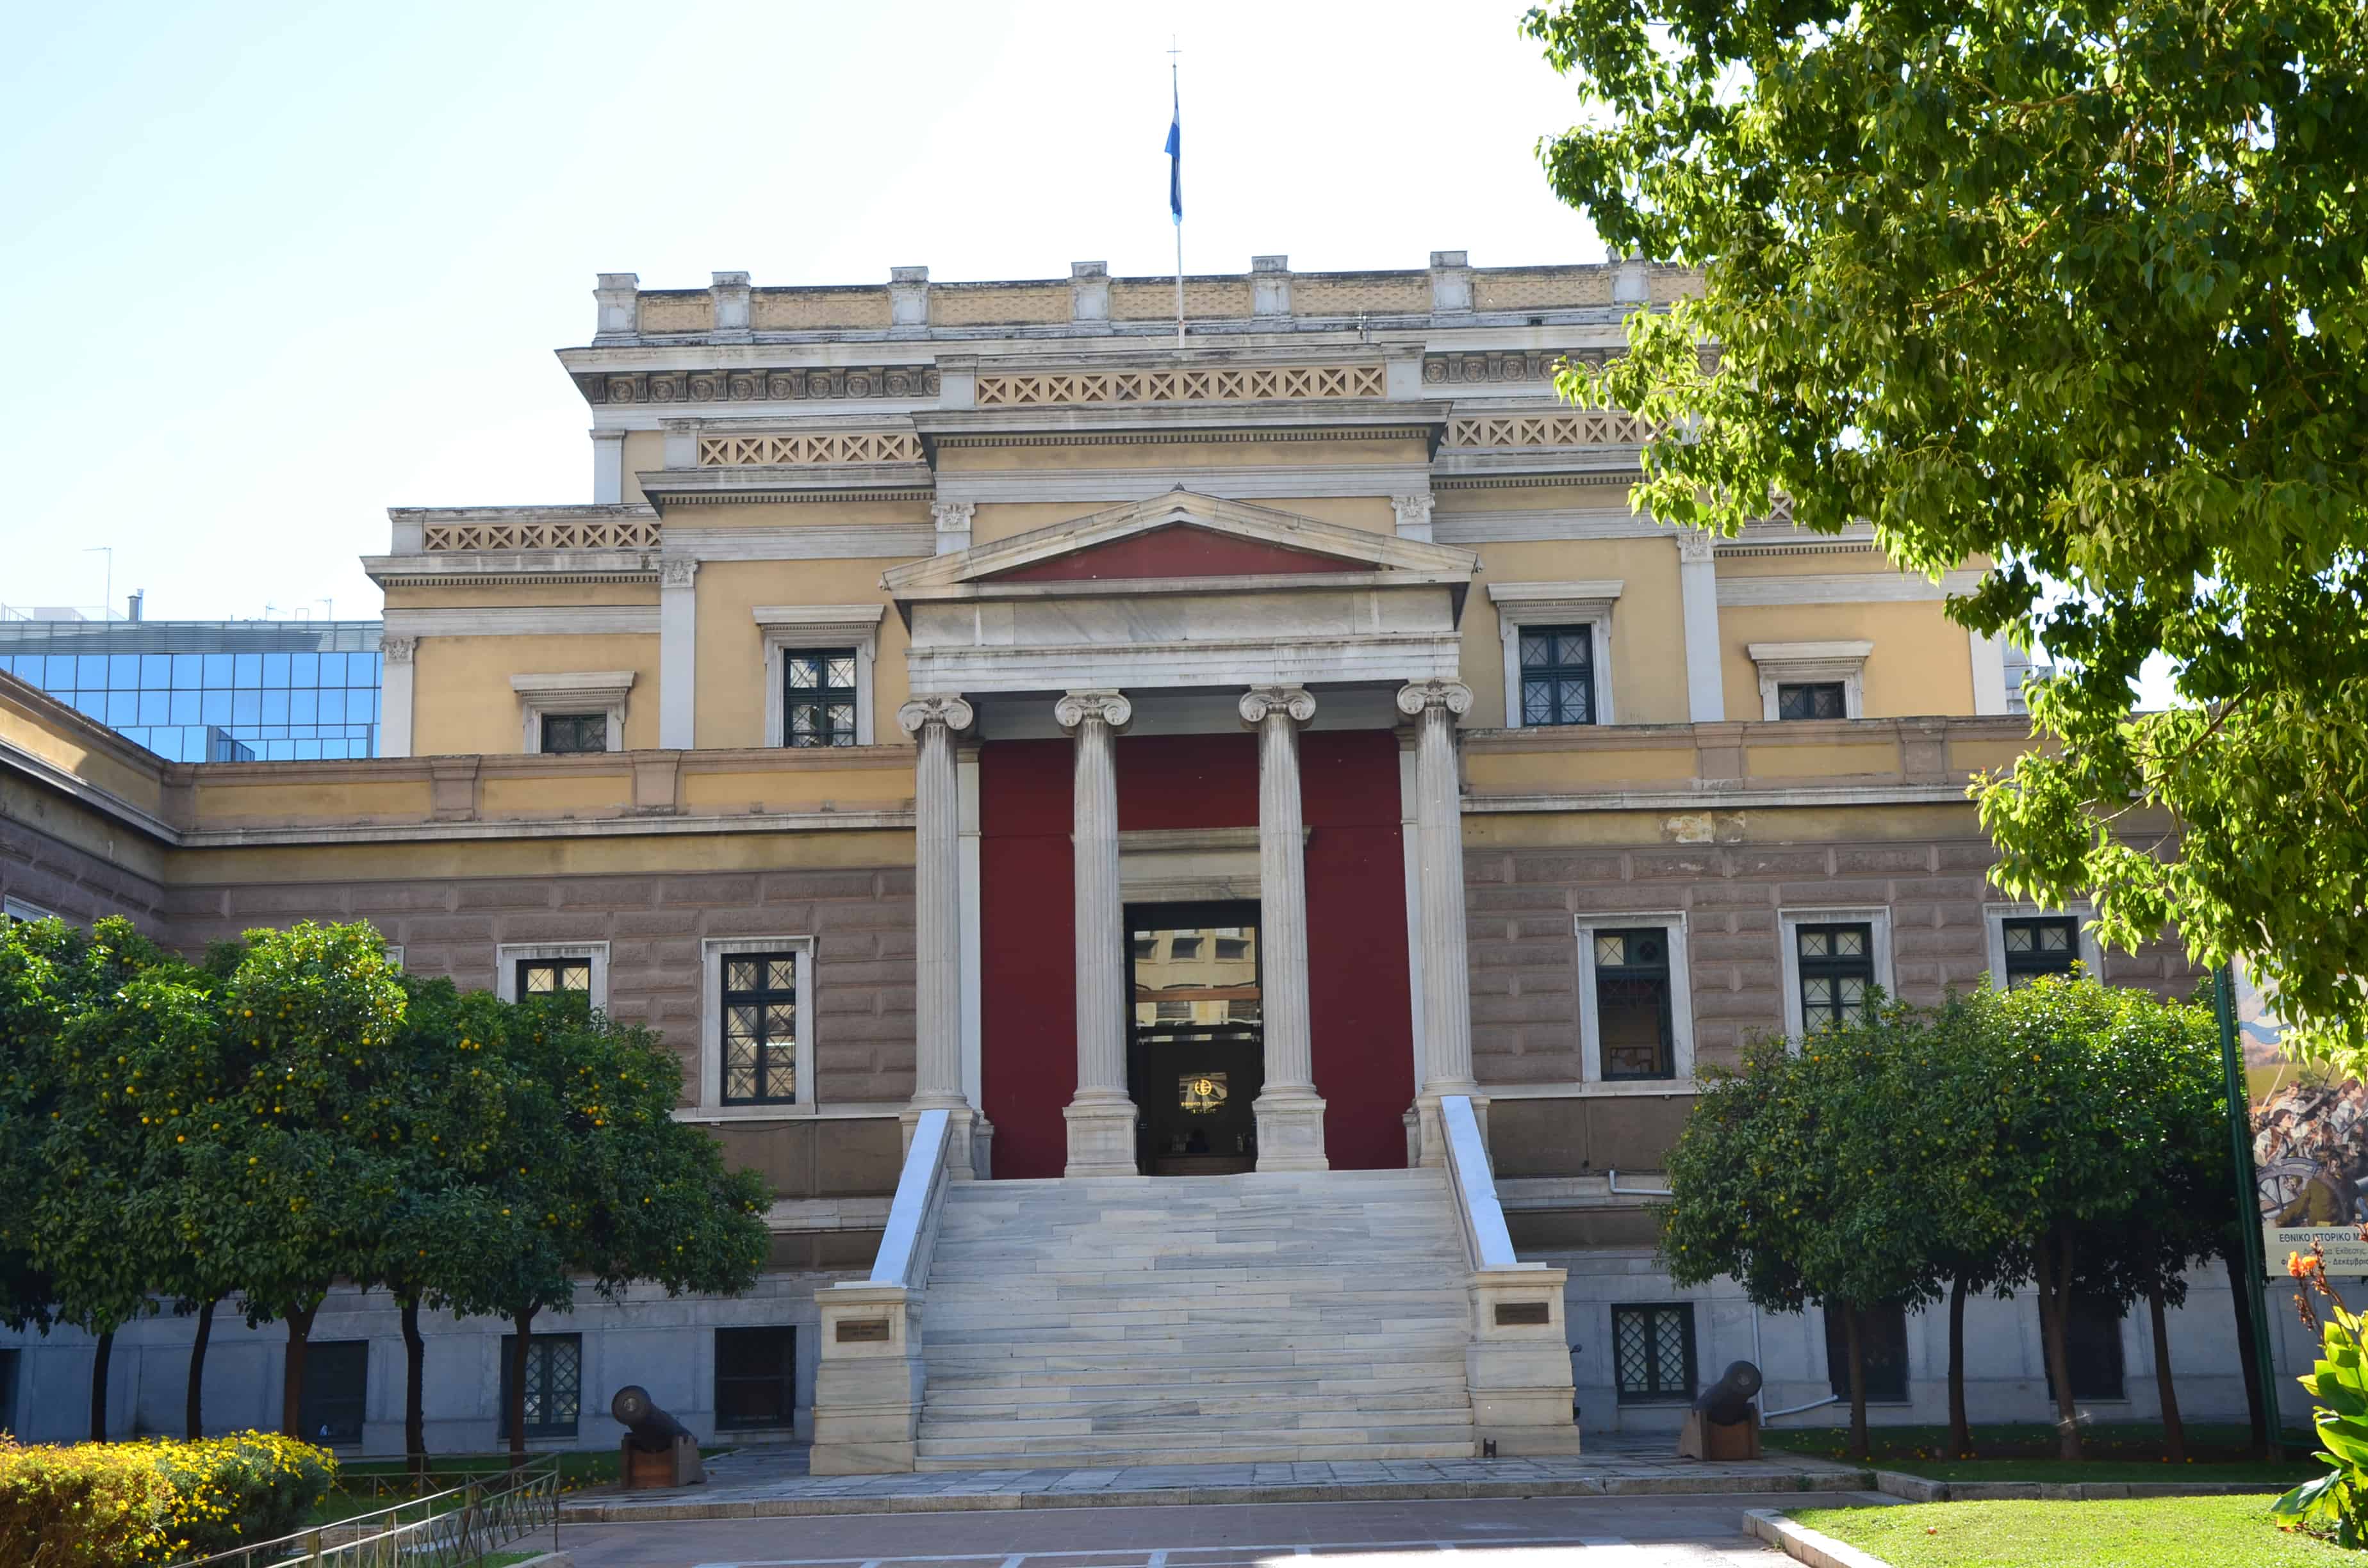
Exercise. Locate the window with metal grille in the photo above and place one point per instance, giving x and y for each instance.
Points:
(2092, 1347)
(1837, 970)
(1654, 1346)
(1883, 1338)
(9, 1367)
(568, 733)
(818, 696)
(2047, 945)
(554, 1383)
(756, 1378)
(1811, 699)
(1557, 675)
(552, 977)
(1632, 1003)
(336, 1388)
(760, 1028)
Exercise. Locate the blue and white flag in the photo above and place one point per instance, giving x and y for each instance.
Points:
(1175, 163)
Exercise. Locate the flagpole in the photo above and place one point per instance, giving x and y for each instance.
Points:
(1176, 185)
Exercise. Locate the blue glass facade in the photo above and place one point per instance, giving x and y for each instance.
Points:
(211, 690)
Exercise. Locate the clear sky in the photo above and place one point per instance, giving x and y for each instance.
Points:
(274, 268)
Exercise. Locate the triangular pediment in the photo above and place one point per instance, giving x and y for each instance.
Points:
(1180, 537)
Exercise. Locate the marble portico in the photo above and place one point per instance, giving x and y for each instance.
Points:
(1187, 614)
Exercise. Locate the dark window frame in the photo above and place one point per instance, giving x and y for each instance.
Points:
(1874, 1325)
(564, 734)
(558, 968)
(543, 1351)
(2092, 1348)
(819, 696)
(771, 1056)
(1631, 972)
(1833, 967)
(1552, 669)
(785, 1376)
(1658, 1387)
(1798, 699)
(2037, 961)
(316, 1406)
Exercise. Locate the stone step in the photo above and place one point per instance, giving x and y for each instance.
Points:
(1026, 1414)
(1021, 1438)
(1120, 1450)
(1443, 1387)
(956, 1382)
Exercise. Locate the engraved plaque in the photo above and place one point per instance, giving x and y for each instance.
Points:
(1512, 1314)
(863, 1331)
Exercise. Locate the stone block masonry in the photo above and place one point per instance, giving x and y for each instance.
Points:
(860, 922)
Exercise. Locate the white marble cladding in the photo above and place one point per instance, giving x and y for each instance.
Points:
(1245, 637)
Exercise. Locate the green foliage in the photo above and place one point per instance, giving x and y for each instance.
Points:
(2337, 1501)
(2077, 290)
(2154, 1532)
(144, 1504)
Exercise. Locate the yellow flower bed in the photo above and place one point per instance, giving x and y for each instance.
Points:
(145, 1505)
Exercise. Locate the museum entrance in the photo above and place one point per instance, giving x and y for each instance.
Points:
(1195, 1056)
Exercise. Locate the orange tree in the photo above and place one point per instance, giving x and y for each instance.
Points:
(1787, 1179)
(598, 1184)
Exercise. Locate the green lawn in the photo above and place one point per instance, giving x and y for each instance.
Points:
(2167, 1532)
(2122, 1452)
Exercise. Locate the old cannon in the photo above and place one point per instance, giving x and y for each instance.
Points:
(656, 1450)
(1724, 1423)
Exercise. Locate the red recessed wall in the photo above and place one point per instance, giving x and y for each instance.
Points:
(1175, 551)
(1356, 945)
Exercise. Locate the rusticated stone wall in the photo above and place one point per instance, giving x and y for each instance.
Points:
(1525, 954)
(49, 874)
(861, 923)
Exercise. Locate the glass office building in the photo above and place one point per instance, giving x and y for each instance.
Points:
(210, 690)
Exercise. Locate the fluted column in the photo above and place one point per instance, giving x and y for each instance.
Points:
(933, 722)
(1290, 1113)
(1101, 1117)
(1434, 705)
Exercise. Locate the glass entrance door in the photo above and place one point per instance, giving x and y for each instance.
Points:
(1195, 1054)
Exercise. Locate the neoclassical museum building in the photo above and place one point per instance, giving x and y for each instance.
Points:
(1205, 871)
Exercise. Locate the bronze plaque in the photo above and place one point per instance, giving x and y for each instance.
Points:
(1511, 1315)
(863, 1331)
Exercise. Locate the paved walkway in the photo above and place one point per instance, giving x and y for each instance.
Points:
(772, 1482)
(1585, 1532)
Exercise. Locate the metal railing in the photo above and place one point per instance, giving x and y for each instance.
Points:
(451, 1528)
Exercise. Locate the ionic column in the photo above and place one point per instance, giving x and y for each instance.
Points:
(937, 920)
(1101, 1117)
(1434, 705)
(1289, 1114)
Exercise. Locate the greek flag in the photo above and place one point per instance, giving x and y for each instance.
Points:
(1175, 163)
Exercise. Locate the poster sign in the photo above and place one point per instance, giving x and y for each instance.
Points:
(2310, 1146)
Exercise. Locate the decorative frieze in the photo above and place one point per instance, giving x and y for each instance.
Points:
(1512, 365)
(1562, 428)
(755, 384)
(791, 450)
(597, 533)
(1267, 384)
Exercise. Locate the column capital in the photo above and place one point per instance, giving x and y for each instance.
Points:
(1414, 514)
(1078, 707)
(954, 515)
(953, 712)
(677, 571)
(1294, 702)
(397, 650)
(1416, 697)
(1694, 545)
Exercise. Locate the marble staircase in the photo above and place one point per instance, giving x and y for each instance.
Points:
(1137, 1321)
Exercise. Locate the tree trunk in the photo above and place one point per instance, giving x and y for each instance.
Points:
(2053, 1277)
(2240, 1301)
(195, 1416)
(1961, 1434)
(525, 1322)
(2174, 1435)
(414, 1373)
(292, 1384)
(1853, 1323)
(98, 1360)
